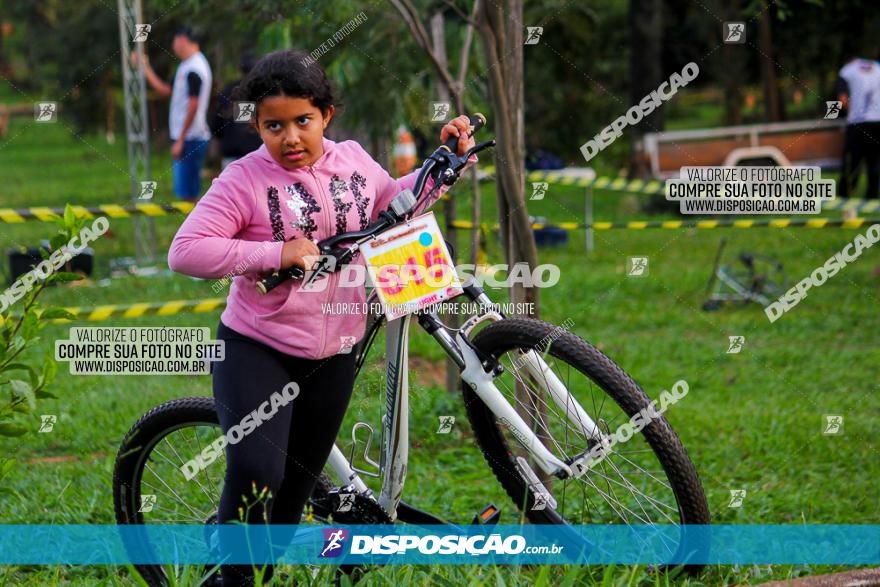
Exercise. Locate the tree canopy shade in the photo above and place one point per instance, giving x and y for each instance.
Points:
(577, 79)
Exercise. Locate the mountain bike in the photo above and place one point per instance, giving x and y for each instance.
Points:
(542, 403)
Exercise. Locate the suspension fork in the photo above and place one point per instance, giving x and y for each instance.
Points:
(474, 374)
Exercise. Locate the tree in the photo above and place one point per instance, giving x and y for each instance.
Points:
(502, 40)
(773, 104)
(732, 69)
(449, 89)
(645, 71)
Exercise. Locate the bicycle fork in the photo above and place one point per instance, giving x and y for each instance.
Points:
(474, 374)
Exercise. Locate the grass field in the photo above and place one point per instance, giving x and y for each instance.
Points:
(752, 421)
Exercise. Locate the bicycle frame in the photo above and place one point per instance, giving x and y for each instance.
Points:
(395, 420)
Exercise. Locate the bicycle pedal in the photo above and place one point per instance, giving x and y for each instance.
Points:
(488, 516)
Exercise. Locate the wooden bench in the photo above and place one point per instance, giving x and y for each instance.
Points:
(8, 110)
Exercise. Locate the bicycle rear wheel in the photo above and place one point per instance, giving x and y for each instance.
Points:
(150, 488)
(648, 480)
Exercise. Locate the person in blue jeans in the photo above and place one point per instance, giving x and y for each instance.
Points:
(190, 93)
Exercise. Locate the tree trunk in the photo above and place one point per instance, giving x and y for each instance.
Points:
(732, 71)
(645, 72)
(503, 43)
(772, 101)
(442, 94)
(498, 23)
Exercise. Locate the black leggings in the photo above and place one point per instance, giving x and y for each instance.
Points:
(861, 143)
(286, 453)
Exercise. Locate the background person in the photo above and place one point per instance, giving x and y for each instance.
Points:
(190, 93)
(237, 139)
(858, 88)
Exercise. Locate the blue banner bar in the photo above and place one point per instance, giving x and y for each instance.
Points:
(406, 544)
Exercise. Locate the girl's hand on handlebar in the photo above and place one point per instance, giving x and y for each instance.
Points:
(458, 127)
(293, 251)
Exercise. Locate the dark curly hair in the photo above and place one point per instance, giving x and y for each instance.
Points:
(287, 73)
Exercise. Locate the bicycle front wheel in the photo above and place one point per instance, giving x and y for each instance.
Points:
(647, 480)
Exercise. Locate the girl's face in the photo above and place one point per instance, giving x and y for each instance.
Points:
(292, 130)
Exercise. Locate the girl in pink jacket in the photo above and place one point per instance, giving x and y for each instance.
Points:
(264, 213)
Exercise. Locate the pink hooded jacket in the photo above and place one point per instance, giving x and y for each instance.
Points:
(240, 225)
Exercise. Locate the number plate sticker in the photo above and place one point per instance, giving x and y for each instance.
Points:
(411, 267)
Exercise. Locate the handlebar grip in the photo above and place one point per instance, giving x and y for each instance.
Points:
(267, 284)
(477, 121)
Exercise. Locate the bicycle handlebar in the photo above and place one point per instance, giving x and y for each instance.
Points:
(477, 121)
(449, 164)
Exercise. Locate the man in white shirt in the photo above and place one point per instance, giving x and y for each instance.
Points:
(858, 88)
(190, 93)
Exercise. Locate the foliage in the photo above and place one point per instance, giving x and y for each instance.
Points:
(576, 78)
(23, 381)
(83, 85)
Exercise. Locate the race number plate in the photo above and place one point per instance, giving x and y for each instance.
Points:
(411, 267)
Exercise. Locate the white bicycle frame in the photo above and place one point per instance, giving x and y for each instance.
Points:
(395, 420)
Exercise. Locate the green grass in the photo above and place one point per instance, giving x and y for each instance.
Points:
(752, 420)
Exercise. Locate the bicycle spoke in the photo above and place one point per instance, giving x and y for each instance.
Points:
(642, 499)
(645, 472)
(205, 469)
(168, 487)
(196, 479)
(633, 489)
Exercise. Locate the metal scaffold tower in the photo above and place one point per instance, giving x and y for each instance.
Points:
(131, 36)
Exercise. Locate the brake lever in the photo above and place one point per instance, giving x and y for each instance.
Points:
(477, 148)
(456, 163)
(340, 257)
